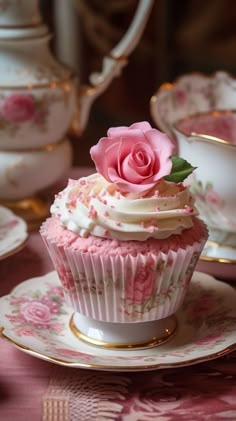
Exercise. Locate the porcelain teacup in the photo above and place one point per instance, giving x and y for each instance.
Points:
(197, 111)
(208, 141)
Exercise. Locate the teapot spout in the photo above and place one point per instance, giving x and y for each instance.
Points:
(112, 65)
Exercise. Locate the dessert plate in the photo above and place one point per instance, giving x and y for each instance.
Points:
(35, 320)
(13, 233)
(218, 260)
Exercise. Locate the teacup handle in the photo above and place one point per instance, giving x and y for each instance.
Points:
(114, 63)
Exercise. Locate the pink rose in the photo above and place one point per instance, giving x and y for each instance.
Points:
(18, 108)
(134, 158)
(36, 313)
(140, 287)
(21, 331)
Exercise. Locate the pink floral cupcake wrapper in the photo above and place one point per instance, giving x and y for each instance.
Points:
(125, 288)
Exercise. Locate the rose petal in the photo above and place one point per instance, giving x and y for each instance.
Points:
(142, 125)
(130, 173)
(126, 186)
(125, 134)
(109, 153)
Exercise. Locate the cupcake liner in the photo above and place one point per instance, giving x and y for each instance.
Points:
(124, 288)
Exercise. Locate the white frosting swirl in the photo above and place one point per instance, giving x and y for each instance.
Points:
(91, 205)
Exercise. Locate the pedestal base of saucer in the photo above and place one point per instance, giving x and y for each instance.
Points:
(122, 335)
(34, 210)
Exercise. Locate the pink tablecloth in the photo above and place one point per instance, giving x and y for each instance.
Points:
(31, 389)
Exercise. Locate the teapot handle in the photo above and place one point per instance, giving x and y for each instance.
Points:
(114, 62)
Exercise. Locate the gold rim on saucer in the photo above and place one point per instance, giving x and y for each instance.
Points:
(118, 368)
(215, 259)
(152, 342)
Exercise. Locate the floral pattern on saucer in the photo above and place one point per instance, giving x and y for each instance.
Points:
(35, 319)
(13, 232)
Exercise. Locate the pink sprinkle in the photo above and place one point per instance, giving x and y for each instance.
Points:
(118, 224)
(73, 203)
(104, 202)
(92, 212)
(82, 182)
(157, 209)
(106, 233)
(106, 213)
(152, 228)
(188, 209)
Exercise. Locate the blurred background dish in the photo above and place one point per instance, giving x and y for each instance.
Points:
(13, 233)
(218, 261)
(197, 112)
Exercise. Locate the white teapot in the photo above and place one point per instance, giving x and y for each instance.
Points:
(40, 97)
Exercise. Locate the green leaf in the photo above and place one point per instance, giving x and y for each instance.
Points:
(180, 170)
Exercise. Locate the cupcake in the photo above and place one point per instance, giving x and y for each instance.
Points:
(126, 239)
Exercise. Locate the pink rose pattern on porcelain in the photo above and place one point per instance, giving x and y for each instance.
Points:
(134, 158)
(33, 313)
(37, 313)
(190, 94)
(210, 204)
(194, 93)
(19, 109)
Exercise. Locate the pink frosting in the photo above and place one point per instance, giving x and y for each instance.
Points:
(134, 158)
(64, 238)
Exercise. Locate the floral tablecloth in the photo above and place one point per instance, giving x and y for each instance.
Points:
(32, 389)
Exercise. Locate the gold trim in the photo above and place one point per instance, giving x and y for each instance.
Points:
(53, 84)
(202, 136)
(154, 341)
(213, 259)
(208, 137)
(46, 148)
(217, 260)
(64, 363)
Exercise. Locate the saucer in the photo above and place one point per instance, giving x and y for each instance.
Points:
(218, 260)
(35, 319)
(13, 233)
